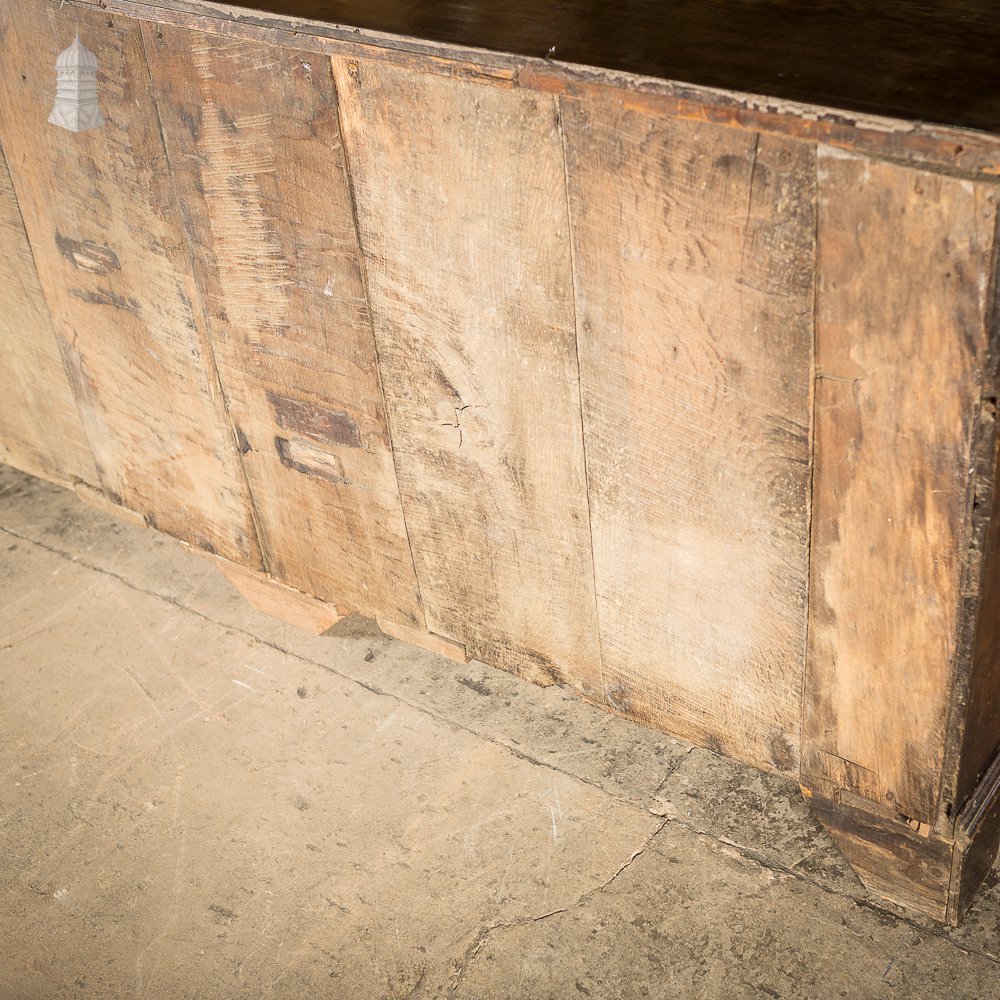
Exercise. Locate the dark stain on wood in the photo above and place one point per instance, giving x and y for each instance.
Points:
(978, 835)
(94, 258)
(783, 753)
(317, 422)
(241, 441)
(105, 297)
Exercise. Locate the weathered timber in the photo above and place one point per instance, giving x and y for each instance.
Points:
(463, 222)
(904, 58)
(99, 212)
(899, 364)
(938, 146)
(257, 162)
(907, 864)
(40, 427)
(614, 381)
(693, 249)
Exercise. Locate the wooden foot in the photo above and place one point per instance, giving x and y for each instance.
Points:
(280, 601)
(428, 640)
(907, 862)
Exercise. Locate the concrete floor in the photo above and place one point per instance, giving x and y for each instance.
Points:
(198, 801)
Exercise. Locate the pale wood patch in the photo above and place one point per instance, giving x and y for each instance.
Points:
(274, 598)
(426, 640)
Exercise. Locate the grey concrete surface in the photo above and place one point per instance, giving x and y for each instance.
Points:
(199, 801)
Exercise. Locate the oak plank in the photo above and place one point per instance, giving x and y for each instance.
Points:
(99, 214)
(462, 216)
(40, 427)
(258, 165)
(693, 250)
(903, 269)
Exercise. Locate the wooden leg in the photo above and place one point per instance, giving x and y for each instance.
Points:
(428, 640)
(911, 867)
(910, 864)
(280, 601)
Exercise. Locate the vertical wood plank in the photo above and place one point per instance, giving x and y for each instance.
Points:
(900, 344)
(694, 263)
(462, 215)
(40, 427)
(258, 165)
(100, 215)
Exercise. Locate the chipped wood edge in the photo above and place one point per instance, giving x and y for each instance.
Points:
(101, 501)
(965, 152)
(443, 646)
(277, 599)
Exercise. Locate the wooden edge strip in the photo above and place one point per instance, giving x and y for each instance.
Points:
(982, 506)
(277, 599)
(431, 641)
(977, 832)
(963, 152)
(982, 802)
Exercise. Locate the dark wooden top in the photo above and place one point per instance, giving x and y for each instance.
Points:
(933, 62)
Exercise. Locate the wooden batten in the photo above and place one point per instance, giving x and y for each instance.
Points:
(975, 717)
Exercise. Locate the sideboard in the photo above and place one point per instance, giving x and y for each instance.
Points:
(674, 389)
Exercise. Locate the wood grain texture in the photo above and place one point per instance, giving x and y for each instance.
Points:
(40, 427)
(978, 837)
(462, 215)
(258, 165)
(903, 260)
(976, 699)
(693, 248)
(99, 214)
(274, 598)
